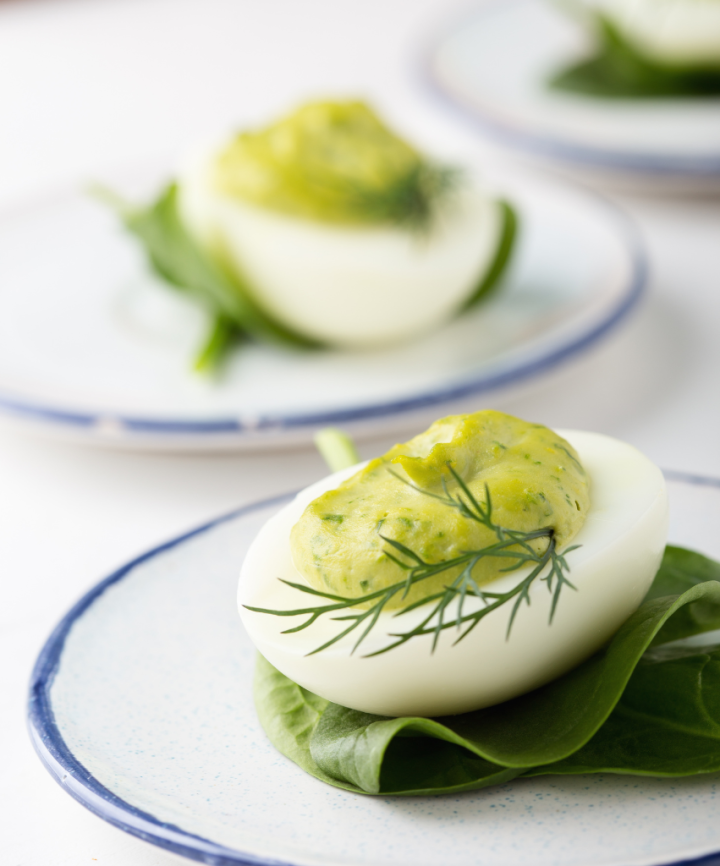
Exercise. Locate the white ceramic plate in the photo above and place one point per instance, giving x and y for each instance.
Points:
(493, 65)
(141, 708)
(92, 346)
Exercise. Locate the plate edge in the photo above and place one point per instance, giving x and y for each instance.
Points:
(71, 775)
(548, 146)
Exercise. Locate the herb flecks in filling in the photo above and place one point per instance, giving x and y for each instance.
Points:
(519, 474)
(422, 527)
(336, 162)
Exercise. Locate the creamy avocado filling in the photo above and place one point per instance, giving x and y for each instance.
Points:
(534, 477)
(334, 162)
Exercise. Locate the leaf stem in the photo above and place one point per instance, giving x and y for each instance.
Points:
(223, 335)
(336, 448)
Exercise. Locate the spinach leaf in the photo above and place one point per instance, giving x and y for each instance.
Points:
(681, 569)
(288, 714)
(618, 70)
(399, 756)
(506, 245)
(667, 722)
(176, 257)
(633, 707)
(223, 336)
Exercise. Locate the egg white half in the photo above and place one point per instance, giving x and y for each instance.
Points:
(347, 286)
(622, 540)
(676, 32)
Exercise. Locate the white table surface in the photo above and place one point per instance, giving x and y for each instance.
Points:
(87, 84)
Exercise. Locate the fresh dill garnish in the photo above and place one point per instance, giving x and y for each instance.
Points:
(412, 201)
(513, 546)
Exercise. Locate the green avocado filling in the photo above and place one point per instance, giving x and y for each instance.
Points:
(335, 162)
(534, 477)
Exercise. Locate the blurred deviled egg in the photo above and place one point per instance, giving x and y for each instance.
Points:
(648, 49)
(682, 33)
(325, 228)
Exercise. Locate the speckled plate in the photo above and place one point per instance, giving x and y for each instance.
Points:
(141, 709)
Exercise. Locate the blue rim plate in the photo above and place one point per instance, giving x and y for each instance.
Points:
(135, 710)
(490, 64)
(93, 349)
(69, 772)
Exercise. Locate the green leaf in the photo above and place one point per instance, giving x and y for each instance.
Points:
(336, 448)
(633, 707)
(679, 571)
(667, 722)
(176, 257)
(223, 336)
(506, 244)
(682, 569)
(617, 70)
(288, 715)
(399, 756)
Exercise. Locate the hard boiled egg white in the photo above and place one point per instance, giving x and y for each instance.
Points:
(341, 285)
(681, 32)
(622, 542)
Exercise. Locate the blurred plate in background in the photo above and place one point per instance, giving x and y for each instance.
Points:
(493, 64)
(93, 347)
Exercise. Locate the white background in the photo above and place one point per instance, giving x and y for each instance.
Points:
(91, 84)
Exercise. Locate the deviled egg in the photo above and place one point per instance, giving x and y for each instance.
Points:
(682, 33)
(647, 49)
(342, 232)
(588, 514)
(324, 228)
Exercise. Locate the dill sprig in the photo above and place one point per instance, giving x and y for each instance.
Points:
(412, 201)
(513, 546)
